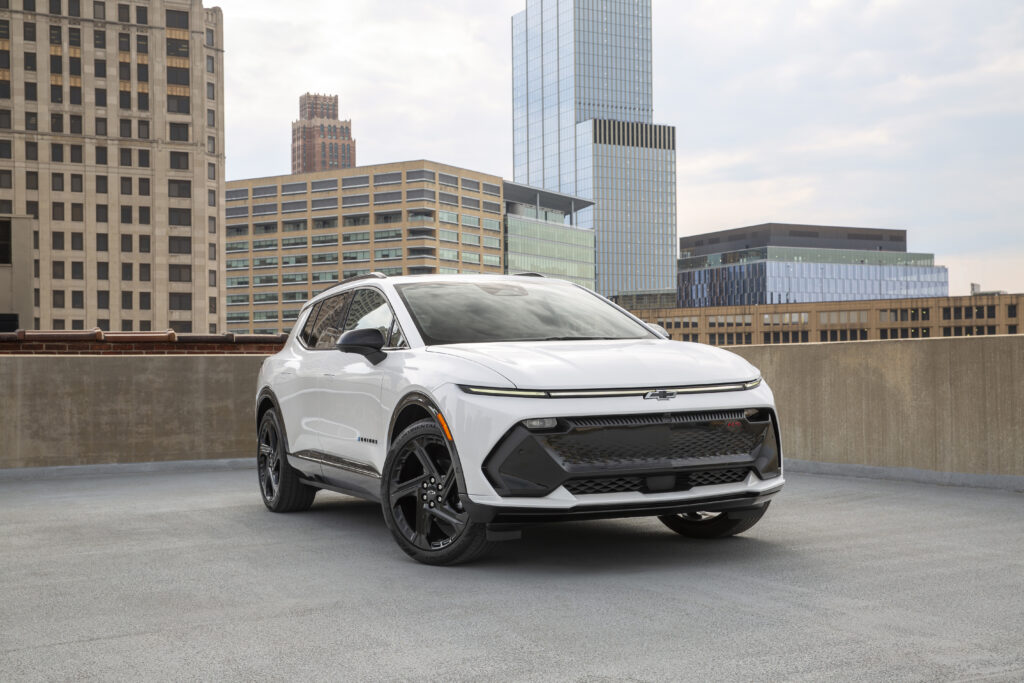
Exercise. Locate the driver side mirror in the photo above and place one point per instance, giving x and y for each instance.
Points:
(366, 342)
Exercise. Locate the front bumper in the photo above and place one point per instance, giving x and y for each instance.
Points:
(645, 453)
(645, 467)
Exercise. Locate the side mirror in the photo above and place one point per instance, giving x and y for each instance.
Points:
(366, 342)
(659, 330)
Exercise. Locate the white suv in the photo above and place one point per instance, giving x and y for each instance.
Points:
(471, 406)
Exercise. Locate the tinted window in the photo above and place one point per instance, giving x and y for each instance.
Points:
(370, 310)
(307, 329)
(328, 325)
(466, 312)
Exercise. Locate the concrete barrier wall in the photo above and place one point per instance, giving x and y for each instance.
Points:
(77, 410)
(945, 405)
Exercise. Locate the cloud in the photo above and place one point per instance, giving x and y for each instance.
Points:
(890, 113)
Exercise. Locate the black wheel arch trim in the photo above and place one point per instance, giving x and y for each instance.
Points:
(266, 393)
(423, 401)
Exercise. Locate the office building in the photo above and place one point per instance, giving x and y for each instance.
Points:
(541, 235)
(776, 263)
(320, 140)
(583, 126)
(832, 321)
(290, 237)
(15, 272)
(111, 141)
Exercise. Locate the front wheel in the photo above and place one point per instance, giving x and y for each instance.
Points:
(712, 524)
(421, 501)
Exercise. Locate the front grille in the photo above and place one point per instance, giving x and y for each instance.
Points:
(606, 421)
(684, 482)
(615, 448)
(609, 485)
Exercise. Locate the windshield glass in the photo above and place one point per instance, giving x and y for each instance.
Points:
(466, 312)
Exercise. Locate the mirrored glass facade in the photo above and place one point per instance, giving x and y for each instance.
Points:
(550, 248)
(582, 125)
(774, 275)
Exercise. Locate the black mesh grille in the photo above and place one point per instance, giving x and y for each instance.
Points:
(710, 477)
(609, 485)
(605, 421)
(684, 481)
(698, 442)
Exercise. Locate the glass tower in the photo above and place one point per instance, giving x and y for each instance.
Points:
(582, 125)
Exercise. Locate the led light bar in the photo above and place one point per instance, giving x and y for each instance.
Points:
(666, 392)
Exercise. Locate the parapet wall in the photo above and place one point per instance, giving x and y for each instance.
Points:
(98, 342)
(946, 405)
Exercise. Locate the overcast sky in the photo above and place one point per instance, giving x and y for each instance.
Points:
(885, 113)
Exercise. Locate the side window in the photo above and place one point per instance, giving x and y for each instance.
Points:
(370, 309)
(397, 338)
(306, 335)
(327, 327)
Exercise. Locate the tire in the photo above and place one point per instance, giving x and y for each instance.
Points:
(420, 497)
(280, 487)
(712, 524)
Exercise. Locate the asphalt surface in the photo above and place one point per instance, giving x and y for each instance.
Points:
(184, 575)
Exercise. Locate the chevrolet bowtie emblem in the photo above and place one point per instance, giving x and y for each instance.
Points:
(660, 395)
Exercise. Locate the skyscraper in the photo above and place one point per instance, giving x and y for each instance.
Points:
(320, 140)
(112, 157)
(582, 125)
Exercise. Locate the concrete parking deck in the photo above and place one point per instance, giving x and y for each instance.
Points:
(183, 575)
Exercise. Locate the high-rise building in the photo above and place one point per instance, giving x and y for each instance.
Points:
(291, 237)
(775, 263)
(320, 140)
(112, 142)
(583, 125)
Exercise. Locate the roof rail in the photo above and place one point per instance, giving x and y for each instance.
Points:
(366, 276)
(529, 275)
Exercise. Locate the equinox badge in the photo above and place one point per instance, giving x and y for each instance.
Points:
(660, 395)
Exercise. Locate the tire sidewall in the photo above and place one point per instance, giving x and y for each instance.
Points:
(468, 544)
(270, 417)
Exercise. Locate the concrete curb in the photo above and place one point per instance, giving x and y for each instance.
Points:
(74, 471)
(1004, 482)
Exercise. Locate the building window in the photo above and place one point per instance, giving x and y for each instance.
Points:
(179, 245)
(178, 104)
(179, 301)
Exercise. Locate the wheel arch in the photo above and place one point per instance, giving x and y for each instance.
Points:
(264, 402)
(412, 408)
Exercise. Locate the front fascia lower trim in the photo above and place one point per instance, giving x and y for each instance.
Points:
(611, 393)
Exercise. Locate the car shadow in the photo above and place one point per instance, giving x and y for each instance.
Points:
(580, 547)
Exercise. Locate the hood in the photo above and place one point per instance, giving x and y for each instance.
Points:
(605, 364)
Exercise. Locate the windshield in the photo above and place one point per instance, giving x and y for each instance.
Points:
(466, 312)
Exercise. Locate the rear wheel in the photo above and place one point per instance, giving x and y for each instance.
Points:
(712, 524)
(279, 483)
(421, 501)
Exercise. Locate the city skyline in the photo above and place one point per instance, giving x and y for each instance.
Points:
(873, 120)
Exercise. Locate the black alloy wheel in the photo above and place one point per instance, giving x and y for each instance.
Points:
(713, 524)
(279, 483)
(421, 499)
